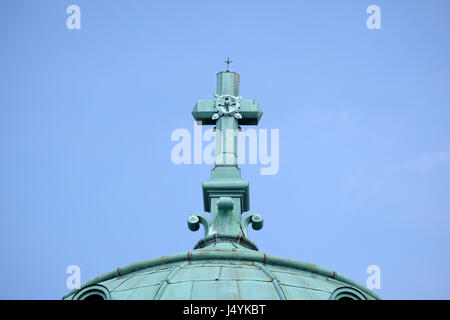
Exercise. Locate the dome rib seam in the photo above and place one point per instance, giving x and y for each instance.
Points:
(275, 281)
(166, 280)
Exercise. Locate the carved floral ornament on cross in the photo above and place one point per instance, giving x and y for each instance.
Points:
(227, 105)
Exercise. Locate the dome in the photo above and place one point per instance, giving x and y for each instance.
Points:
(225, 264)
(224, 271)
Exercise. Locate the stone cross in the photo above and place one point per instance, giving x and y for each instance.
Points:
(227, 111)
(226, 194)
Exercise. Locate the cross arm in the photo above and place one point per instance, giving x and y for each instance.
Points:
(249, 109)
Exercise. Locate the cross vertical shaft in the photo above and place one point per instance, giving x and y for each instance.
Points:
(227, 125)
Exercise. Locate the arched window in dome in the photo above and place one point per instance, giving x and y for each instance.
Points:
(95, 292)
(347, 293)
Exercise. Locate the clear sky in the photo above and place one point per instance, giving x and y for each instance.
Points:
(86, 116)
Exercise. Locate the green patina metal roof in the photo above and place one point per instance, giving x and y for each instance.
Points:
(222, 271)
(225, 263)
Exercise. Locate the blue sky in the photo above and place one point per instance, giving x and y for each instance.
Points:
(86, 117)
